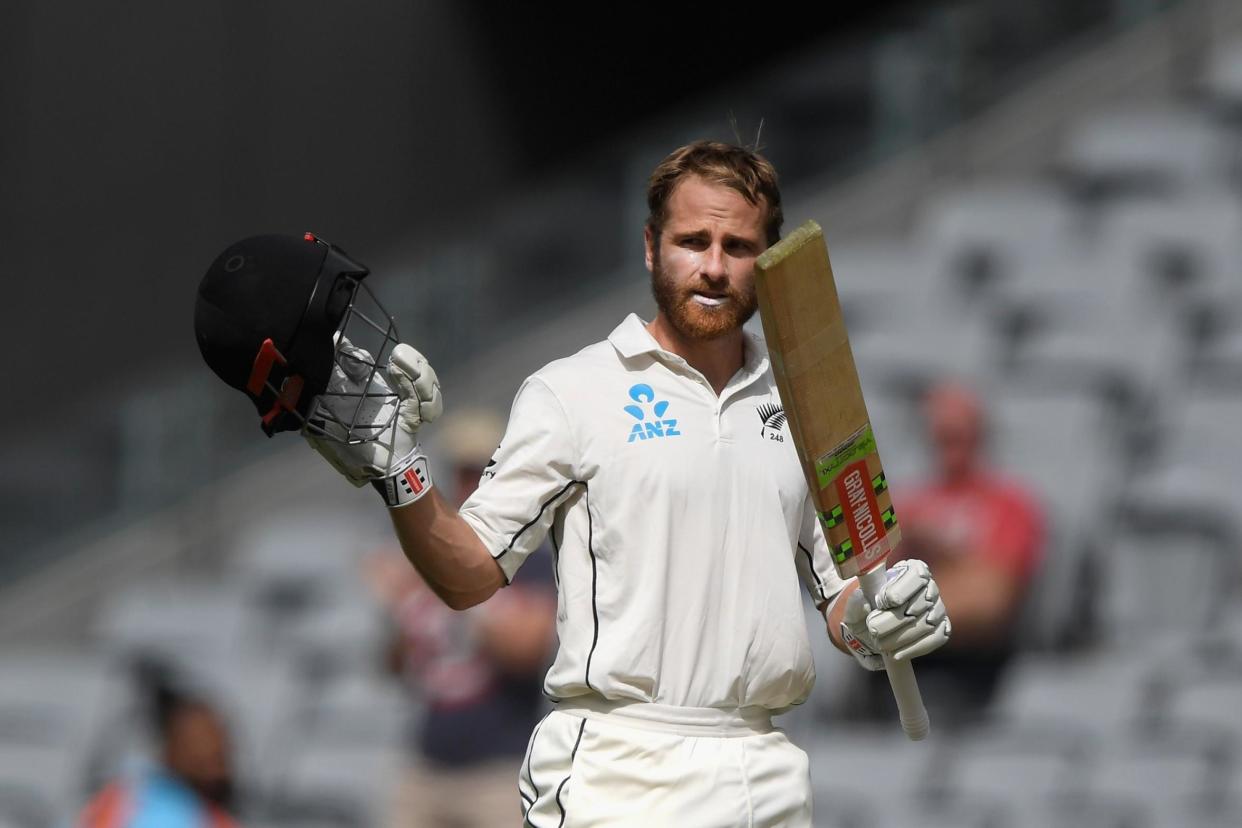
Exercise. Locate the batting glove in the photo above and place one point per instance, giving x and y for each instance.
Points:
(393, 462)
(909, 618)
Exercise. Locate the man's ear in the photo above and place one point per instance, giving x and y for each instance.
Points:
(648, 242)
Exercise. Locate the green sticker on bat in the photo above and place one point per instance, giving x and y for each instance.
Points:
(859, 445)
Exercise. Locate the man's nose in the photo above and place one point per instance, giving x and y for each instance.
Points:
(714, 265)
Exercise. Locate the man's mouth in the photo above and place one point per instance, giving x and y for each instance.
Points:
(711, 300)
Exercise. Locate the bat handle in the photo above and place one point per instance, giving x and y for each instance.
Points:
(900, 673)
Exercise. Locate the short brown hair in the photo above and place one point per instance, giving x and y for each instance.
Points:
(741, 169)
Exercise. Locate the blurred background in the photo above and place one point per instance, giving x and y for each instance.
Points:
(1039, 201)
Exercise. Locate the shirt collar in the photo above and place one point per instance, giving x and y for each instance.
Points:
(631, 338)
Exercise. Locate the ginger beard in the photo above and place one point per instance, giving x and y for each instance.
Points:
(692, 319)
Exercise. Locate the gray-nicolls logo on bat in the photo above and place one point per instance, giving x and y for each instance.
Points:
(773, 418)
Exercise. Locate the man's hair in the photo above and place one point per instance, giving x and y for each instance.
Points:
(739, 168)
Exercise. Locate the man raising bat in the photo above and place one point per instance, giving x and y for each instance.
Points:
(660, 461)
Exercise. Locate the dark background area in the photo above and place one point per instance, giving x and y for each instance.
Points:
(141, 138)
(486, 160)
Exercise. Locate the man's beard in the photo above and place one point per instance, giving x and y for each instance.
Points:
(693, 320)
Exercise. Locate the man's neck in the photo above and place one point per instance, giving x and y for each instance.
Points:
(716, 359)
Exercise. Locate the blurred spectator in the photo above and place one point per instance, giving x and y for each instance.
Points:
(191, 785)
(983, 536)
(479, 672)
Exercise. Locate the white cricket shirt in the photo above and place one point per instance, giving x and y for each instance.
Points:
(681, 523)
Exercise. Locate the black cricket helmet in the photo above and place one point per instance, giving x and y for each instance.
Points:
(269, 317)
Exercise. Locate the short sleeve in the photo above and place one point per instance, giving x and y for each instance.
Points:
(530, 474)
(814, 559)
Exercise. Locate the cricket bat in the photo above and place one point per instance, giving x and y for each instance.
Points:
(818, 382)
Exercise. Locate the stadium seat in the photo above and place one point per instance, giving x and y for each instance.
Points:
(1215, 361)
(1176, 247)
(291, 560)
(1092, 694)
(1073, 334)
(914, 349)
(1159, 580)
(1193, 475)
(979, 232)
(873, 274)
(1165, 779)
(1053, 617)
(40, 786)
(875, 806)
(845, 760)
(1222, 78)
(1011, 768)
(1059, 444)
(344, 784)
(181, 620)
(1143, 149)
(359, 710)
(346, 633)
(53, 699)
(1207, 704)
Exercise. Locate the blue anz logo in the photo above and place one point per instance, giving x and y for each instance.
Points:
(649, 427)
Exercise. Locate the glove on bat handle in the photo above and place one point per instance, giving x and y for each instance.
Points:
(900, 673)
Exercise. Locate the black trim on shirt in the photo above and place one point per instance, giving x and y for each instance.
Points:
(594, 586)
(556, 554)
(535, 519)
(810, 562)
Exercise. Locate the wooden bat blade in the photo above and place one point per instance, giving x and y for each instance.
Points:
(818, 382)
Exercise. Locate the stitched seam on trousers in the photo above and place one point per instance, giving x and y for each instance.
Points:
(750, 805)
(560, 787)
(530, 776)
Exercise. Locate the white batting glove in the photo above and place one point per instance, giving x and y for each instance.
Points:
(394, 463)
(909, 619)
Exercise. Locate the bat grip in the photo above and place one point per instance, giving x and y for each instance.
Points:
(900, 673)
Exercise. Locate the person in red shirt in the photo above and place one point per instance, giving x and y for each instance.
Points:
(983, 534)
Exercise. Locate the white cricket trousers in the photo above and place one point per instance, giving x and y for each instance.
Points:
(596, 763)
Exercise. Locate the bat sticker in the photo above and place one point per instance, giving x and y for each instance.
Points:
(859, 445)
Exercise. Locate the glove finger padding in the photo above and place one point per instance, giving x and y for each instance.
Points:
(912, 619)
(905, 580)
(328, 450)
(356, 394)
(417, 385)
(354, 363)
(883, 623)
(928, 642)
(361, 407)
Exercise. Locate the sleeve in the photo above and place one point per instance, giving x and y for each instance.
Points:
(530, 474)
(814, 560)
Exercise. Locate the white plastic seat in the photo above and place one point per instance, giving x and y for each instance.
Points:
(1170, 148)
(1095, 694)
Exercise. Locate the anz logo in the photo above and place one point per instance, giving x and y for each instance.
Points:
(655, 425)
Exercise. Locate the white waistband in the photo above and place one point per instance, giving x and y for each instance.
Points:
(667, 718)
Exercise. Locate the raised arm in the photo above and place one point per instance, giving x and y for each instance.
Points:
(446, 551)
(438, 542)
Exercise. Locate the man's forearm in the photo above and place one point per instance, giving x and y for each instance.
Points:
(446, 551)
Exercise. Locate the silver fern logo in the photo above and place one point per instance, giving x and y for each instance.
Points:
(773, 418)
